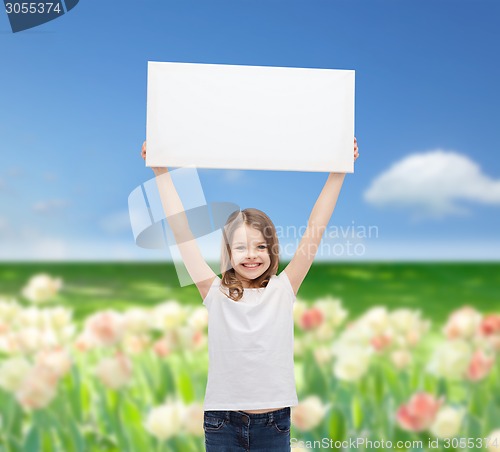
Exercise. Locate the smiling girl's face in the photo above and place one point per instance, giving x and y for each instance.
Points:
(249, 254)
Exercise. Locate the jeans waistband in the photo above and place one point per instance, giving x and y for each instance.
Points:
(241, 416)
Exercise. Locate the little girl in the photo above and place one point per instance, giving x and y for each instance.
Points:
(251, 382)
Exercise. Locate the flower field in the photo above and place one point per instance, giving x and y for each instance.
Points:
(113, 357)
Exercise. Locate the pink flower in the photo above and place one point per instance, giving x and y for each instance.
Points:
(311, 318)
(413, 337)
(85, 342)
(55, 363)
(490, 325)
(161, 347)
(106, 327)
(490, 329)
(419, 413)
(198, 339)
(381, 341)
(479, 366)
(3, 327)
(36, 390)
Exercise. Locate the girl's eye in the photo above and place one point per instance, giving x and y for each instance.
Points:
(240, 248)
(262, 247)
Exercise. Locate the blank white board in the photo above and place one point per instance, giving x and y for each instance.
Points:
(250, 117)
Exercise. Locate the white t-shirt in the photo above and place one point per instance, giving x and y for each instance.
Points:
(250, 347)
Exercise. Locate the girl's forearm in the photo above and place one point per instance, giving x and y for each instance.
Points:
(325, 204)
(173, 208)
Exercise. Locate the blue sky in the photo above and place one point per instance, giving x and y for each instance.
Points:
(73, 118)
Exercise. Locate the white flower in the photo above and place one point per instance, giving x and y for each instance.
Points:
(58, 317)
(193, 419)
(451, 359)
(27, 340)
(136, 343)
(462, 323)
(41, 288)
(169, 315)
(8, 343)
(355, 334)
(404, 319)
(309, 413)
(30, 317)
(323, 333)
(299, 346)
(189, 338)
(333, 311)
(493, 441)
(12, 372)
(376, 318)
(165, 420)
(137, 320)
(352, 363)
(322, 354)
(7, 313)
(8, 310)
(299, 307)
(448, 421)
(114, 372)
(198, 319)
(401, 358)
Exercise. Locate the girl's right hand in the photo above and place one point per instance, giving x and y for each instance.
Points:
(158, 170)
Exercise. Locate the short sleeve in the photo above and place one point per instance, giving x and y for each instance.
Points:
(207, 301)
(287, 285)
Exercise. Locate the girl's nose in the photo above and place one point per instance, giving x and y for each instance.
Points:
(251, 252)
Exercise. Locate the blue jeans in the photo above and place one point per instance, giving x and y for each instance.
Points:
(237, 431)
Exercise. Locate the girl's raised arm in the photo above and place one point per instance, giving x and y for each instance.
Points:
(320, 216)
(199, 271)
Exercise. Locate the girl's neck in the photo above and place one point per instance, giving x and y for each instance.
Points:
(248, 284)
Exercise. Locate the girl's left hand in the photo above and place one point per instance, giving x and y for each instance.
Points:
(356, 153)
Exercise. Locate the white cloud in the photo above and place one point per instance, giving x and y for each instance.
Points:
(50, 206)
(432, 185)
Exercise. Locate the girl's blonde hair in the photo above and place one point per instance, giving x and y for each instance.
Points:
(260, 221)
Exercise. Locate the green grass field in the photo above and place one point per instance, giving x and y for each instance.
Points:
(435, 288)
